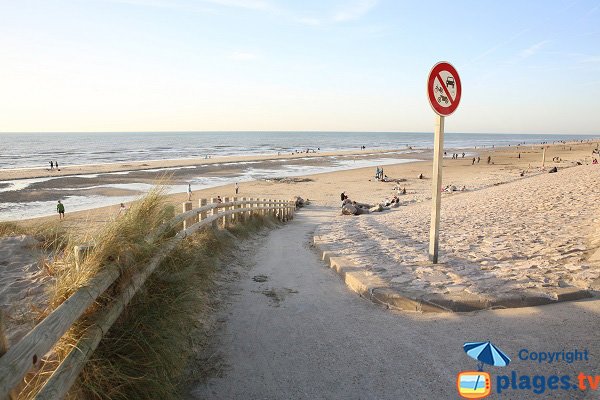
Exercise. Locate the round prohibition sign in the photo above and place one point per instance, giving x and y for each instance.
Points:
(444, 88)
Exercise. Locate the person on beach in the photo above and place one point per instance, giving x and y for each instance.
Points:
(51, 165)
(489, 160)
(56, 165)
(473, 163)
(478, 159)
(60, 208)
(237, 188)
(189, 192)
(219, 199)
(122, 209)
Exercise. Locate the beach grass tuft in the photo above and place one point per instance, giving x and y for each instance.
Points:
(145, 353)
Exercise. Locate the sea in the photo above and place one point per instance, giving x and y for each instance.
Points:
(18, 199)
(35, 150)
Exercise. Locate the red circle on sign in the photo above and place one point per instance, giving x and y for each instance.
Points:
(444, 88)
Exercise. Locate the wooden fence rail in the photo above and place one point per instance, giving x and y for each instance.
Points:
(20, 358)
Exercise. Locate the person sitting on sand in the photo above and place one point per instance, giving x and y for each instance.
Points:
(421, 176)
(595, 161)
(60, 208)
(343, 196)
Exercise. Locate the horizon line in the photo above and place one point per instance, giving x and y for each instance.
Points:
(298, 131)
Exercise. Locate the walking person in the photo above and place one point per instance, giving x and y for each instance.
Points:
(51, 165)
(56, 165)
(237, 188)
(60, 208)
(189, 192)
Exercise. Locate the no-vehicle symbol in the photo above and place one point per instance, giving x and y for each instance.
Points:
(444, 88)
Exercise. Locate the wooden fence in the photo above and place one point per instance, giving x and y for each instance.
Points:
(18, 360)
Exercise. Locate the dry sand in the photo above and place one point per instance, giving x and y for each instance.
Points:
(536, 235)
(23, 284)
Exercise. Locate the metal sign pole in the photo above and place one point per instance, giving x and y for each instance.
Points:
(436, 200)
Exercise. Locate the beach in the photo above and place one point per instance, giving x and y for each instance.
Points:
(286, 177)
(532, 223)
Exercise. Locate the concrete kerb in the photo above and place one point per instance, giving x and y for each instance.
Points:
(380, 292)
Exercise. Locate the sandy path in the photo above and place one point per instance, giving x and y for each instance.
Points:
(303, 335)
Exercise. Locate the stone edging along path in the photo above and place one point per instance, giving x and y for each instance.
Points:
(381, 292)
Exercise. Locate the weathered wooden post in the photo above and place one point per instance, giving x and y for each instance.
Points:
(215, 211)
(187, 206)
(544, 157)
(265, 211)
(244, 205)
(252, 206)
(225, 218)
(235, 217)
(203, 214)
(273, 206)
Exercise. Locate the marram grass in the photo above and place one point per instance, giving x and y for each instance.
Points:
(145, 353)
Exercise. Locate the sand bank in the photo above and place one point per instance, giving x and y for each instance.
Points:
(67, 170)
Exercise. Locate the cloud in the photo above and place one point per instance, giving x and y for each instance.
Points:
(533, 49)
(354, 11)
(243, 56)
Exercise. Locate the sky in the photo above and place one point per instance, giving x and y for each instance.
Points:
(341, 65)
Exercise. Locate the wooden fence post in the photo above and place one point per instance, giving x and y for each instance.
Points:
(225, 218)
(243, 214)
(264, 213)
(235, 217)
(215, 211)
(203, 214)
(187, 206)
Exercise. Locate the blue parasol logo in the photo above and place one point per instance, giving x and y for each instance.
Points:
(486, 353)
